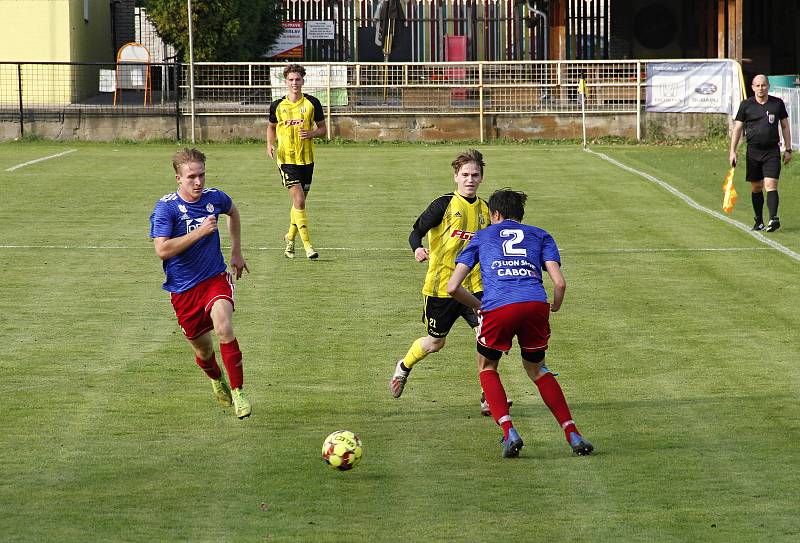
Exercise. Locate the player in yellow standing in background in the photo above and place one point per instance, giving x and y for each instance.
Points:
(449, 221)
(294, 121)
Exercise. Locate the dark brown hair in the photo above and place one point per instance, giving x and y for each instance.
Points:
(470, 155)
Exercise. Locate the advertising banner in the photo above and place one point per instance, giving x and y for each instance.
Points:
(701, 87)
(289, 43)
(315, 83)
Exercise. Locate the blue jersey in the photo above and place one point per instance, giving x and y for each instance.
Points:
(174, 217)
(512, 257)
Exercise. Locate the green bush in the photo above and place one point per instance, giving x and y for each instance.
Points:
(222, 30)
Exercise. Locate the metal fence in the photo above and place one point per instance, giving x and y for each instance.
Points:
(46, 91)
(453, 88)
(30, 91)
(791, 96)
(495, 30)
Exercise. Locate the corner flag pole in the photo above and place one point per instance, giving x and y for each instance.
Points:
(583, 93)
(191, 67)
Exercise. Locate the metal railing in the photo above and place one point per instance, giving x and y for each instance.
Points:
(35, 90)
(494, 29)
(791, 97)
(31, 91)
(462, 89)
(454, 88)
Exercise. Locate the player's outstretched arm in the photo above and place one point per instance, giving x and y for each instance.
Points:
(458, 292)
(235, 232)
(559, 284)
(166, 247)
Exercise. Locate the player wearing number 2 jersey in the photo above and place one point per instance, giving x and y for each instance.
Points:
(512, 258)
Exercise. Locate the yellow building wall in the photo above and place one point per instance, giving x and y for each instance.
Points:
(35, 30)
(53, 31)
(91, 40)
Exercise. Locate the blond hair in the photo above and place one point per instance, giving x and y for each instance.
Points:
(185, 156)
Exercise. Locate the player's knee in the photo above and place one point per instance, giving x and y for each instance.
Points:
(204, 353)
(434, 344)
(222, 317)
(225, 333)
(491, 354)
(534, 357)
(202, 346)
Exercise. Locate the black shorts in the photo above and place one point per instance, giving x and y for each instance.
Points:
(763, 163)
(297, 174)
(439, 314)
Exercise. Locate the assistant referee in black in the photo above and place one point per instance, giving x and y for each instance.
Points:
(759, 117)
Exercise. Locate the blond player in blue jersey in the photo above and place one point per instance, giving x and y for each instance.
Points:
(183, 226)
(294, 121)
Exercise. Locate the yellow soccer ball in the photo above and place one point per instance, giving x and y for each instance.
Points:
(342, 450)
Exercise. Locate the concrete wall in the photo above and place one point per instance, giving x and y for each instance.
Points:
(365, 128)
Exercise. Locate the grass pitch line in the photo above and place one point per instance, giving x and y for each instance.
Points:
(18, 166)
(716, 214)
(630, 250)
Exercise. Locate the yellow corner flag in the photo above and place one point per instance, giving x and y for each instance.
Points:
(583, 90)
(729, 193)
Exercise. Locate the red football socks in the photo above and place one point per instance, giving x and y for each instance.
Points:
(232, 358)
(496, 397)
(209, 366)
(553, 398)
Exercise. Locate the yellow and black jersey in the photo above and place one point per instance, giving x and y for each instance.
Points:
(290, 117)
(450, 221)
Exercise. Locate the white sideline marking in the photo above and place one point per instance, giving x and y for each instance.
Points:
(395, 249)
(18, 166)
(669, 188)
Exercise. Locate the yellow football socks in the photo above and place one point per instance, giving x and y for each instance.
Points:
(292, 226)
(414, 354)
(301, 222)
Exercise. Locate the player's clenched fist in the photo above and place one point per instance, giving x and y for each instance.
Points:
(208, 226)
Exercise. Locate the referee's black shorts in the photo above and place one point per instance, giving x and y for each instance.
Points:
(763, 163)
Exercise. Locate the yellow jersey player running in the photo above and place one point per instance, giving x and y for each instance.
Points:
(294, 121)
(449, 221)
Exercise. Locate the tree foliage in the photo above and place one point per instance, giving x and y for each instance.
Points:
(222, 30)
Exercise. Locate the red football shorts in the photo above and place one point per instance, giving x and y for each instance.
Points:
(529, 321)
(193, 307)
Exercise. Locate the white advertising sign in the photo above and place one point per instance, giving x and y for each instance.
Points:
(702, 87)
(320, 30)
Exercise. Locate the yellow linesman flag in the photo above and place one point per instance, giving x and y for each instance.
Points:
(729, 193)
(583, 90)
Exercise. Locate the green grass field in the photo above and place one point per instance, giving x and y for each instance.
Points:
(677, 348)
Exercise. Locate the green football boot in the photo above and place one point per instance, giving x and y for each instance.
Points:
(240, 403)
(222, 392)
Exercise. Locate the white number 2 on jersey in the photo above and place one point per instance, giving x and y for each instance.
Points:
(510, 245)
